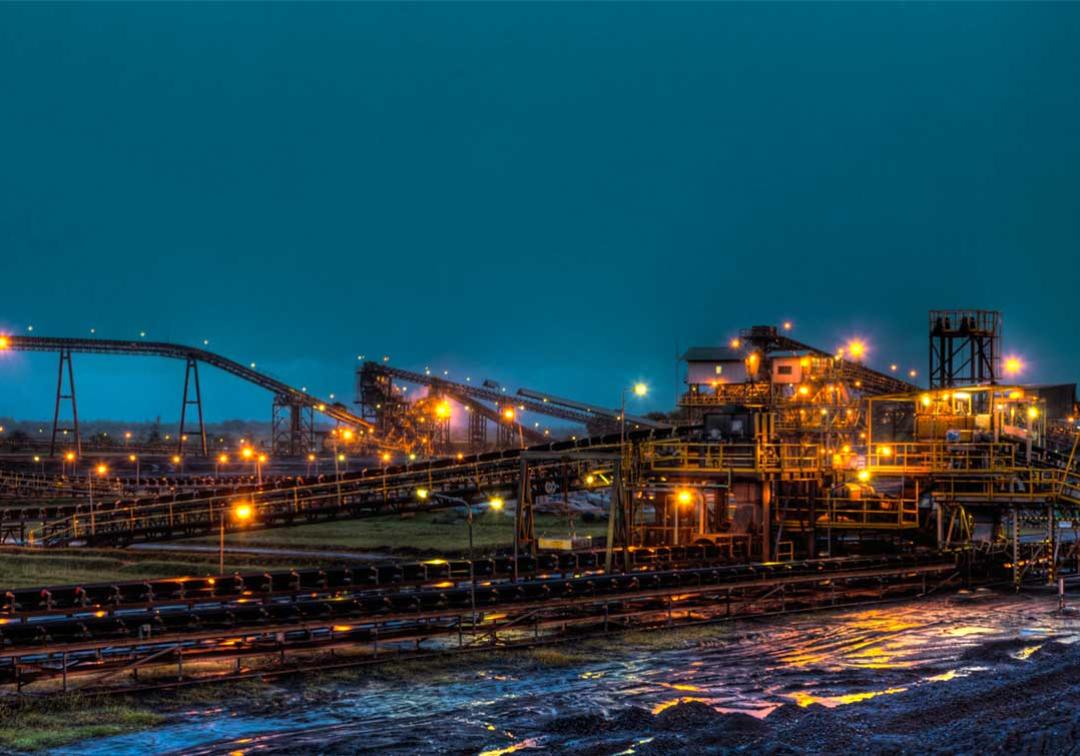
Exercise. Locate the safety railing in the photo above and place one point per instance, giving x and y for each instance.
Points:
(408, 489)
(863, 512)
(691, 456)
(945, 457)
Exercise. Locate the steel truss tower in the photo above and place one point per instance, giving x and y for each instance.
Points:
(292, 427)
(65, 359)
(965, 347)
(191, 382)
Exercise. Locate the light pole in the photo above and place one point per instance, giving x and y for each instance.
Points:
(616, 497)
(135, 458)
(101, 470)
(496, 504)
(241, 513)
(247, 452)
(472, 567)
(178, 462)
(337, 467)
(258, 467)
(222, 459)
(640, 390)
(509, 414)
(385, 458)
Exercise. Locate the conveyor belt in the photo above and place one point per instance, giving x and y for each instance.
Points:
(367, 492)
(261, 606)
(181, 352)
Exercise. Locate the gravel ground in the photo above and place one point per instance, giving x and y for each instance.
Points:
(1013, 705)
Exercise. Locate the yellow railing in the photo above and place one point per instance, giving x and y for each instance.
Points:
(864, 512)
(690, 456)
(942, 457)
(890, 459)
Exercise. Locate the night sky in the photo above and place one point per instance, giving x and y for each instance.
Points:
(552, 195)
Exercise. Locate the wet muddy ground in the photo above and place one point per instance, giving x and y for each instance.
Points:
(971, 673)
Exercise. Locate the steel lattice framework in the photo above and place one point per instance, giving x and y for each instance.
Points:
(284, 394)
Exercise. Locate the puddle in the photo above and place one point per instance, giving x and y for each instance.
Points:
(751, 667)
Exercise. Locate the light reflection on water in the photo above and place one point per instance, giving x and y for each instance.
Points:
(832, 659)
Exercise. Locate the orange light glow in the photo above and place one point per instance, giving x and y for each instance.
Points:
(1013, 366)
(247, 452)
(509, 413)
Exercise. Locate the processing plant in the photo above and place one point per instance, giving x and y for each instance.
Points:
(787, 476)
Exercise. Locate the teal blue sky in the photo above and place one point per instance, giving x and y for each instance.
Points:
(554, 195)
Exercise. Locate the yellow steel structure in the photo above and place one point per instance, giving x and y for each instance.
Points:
(834, 449)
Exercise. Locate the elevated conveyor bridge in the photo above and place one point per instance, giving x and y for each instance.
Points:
(295, 400)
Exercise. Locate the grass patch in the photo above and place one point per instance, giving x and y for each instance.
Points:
(438, 532)
(668, 638)
(557, 656)
(26, 568)
(57, 722)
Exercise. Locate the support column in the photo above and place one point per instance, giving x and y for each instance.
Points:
(1016, 547)
(65, 358)
(614, 510)
(292, 427)
(1051, 544)
(766, 520)
(191, 381)
(525, 530)
(504, 431)
(939, 524)
(477, 431)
